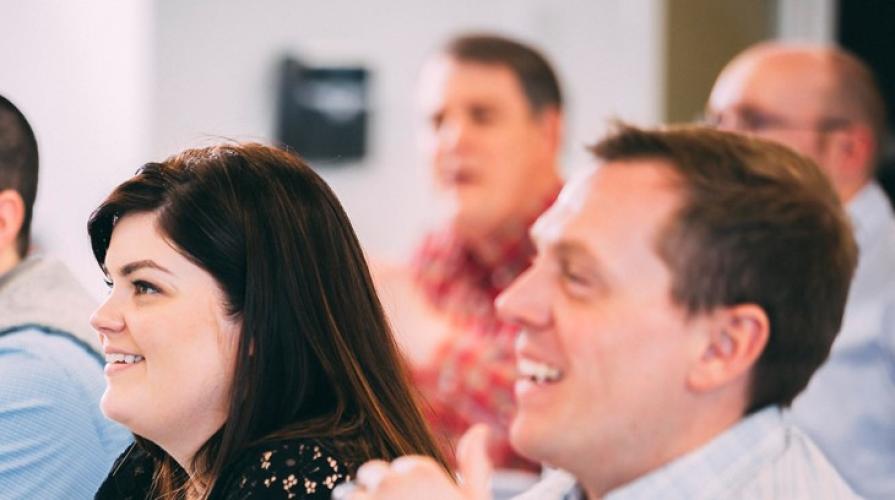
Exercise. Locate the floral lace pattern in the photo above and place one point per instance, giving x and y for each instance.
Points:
(294, 469)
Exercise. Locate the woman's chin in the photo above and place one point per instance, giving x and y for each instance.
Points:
(116, 410)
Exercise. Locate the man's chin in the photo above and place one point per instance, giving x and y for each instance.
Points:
(474, 219)
(527, 441)
(470, 227)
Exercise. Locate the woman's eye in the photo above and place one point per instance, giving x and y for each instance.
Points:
(144, 288)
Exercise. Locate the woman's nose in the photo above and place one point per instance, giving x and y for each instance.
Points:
(107, 319)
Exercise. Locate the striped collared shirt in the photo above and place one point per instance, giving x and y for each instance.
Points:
(762, 457)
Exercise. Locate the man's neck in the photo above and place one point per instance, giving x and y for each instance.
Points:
(694, 431)
(848, 193)
(9, 258)
(488, 248)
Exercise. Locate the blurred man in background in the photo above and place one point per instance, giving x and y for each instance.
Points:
(493, 112)
(825, 104)
(54, 442)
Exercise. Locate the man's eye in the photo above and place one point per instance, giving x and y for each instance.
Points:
(436, 120)
(482, 116)
(144, 288)
(759, 122)
(575, 279)
(571, 276)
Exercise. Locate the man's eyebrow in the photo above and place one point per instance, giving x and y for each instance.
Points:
(142, 264)
(574, 249)
(750, 109)
(569, 247)
(586, 261)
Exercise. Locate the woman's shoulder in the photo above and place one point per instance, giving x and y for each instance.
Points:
(130, 476)
(291, 468)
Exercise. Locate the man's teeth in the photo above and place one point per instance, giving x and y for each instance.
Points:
(127, 359)
(537, 372)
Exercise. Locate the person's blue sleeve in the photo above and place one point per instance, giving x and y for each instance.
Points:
(50, 446)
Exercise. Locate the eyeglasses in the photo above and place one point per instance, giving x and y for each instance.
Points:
(758, 122)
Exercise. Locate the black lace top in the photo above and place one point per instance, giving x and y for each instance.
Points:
(297, 469)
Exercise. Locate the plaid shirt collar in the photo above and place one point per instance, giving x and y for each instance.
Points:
(464, 286)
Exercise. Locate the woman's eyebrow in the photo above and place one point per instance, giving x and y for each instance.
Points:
(142, 264)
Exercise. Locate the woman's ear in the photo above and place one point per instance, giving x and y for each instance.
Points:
(737, 335)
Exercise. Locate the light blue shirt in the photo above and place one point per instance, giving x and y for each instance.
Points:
(849, 406)
(54, 441)
(763, 457)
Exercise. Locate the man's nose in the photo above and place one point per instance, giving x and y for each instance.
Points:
(526, 302)
(454, 135)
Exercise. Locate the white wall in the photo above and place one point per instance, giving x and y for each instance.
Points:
(109, 85)
(216, 76)
(79, 71)
(807, 20)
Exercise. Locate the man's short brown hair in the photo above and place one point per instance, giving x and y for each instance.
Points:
(18, 165)
(757, 224)
(538, 80)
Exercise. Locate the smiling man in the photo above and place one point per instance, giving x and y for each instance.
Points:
(682, 295)
(493, 121)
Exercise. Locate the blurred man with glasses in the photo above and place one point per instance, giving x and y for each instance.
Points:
(824, 103)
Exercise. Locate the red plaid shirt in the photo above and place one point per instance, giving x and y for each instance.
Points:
(471, 377)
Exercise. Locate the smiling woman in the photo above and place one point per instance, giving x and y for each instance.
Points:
(245, 347)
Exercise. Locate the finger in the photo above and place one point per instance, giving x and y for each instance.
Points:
(414, 465)
(414, 477)
(474, 463)
(348, 490)
(371, 473)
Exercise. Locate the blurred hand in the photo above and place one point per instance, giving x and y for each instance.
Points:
(415, 477)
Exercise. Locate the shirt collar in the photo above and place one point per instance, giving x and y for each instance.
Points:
(869, 210)
(456, 281)
(706, 472)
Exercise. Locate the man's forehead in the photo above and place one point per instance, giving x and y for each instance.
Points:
(771, 75)
(612, 191)
(571, 200)
(444, 74)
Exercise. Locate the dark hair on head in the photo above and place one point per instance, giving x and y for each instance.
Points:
(18, 164)
(538, 80)
(757, 224)
(316, 356)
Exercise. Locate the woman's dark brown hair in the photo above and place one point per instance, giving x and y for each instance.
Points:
(316, 356)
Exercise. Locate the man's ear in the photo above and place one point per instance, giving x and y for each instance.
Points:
(12, 215)
(856, 147)
(736, 337)
(550, 121)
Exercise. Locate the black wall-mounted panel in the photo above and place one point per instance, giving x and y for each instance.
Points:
(323, 112)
